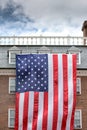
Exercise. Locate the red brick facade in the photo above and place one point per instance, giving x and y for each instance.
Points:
(8, 101)
(82, 102)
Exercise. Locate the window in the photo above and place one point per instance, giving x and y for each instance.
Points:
(11, 117)
(78, 58)
(78, 119)
(12, 84)
(12, 56)
(78, 85)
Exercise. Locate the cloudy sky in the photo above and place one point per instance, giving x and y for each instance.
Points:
(45, 17)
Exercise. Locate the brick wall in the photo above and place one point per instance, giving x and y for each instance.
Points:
(8, 101)
(82, 102)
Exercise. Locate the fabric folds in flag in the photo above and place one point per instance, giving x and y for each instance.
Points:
(45, 91)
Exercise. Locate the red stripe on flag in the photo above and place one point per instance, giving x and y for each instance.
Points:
(35, 111)
(25, 113)
(17, 111)
(74, 90)
(55, 95)
(65, 92)
(45, 111)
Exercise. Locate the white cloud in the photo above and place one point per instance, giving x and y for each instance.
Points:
(63, 17)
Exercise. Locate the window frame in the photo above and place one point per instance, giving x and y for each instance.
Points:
(79, 56)
(80, 119)
(10, 56)
(9, 117)
(11, 78)
(78, 85)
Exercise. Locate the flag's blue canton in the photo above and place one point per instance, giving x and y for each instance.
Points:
(32, 72)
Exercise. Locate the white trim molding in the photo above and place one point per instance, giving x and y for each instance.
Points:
(81, 72)
(8, 72)
(13, 72)
(42, 40)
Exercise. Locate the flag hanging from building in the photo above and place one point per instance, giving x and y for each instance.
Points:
(45, 91)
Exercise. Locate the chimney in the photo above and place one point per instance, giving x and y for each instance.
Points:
(84, 29)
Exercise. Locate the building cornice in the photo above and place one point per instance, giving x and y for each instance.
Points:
(81, 72)
(7, 72)
(13, 72)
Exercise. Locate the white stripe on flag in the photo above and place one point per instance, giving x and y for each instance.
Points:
(70, 91)
(40, 111)
(21, 106)
(30, 110)
(50, 92)
(60, 91)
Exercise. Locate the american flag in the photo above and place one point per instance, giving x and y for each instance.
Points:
(45, 91)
